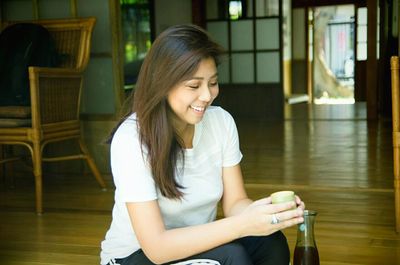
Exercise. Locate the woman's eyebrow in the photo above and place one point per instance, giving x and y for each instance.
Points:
(201, 78)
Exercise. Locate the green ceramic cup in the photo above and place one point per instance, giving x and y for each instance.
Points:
(283, 196)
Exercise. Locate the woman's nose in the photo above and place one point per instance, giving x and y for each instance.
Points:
(205, 94)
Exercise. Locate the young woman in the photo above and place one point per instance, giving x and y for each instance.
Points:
(174, 157)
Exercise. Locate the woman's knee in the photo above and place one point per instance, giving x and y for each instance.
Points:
(279, 252)
(281, 243)
(272, 249)
(236, 252)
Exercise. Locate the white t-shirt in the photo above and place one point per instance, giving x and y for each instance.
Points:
(215, 145)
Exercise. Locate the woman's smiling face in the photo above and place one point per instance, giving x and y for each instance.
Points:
(190, 98)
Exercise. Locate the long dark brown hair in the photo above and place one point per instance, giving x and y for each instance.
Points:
(174, 57)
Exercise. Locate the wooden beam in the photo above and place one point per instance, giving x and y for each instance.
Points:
(74, 8)
(306, 3)
(199, 13)
(117, 53)
(35, 9)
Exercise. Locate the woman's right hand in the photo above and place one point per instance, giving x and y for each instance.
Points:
(257, 217)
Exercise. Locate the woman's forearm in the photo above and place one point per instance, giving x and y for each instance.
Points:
(238, 207)
(247, 218)
(180, 243)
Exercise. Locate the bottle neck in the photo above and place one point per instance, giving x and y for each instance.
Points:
(305, 231)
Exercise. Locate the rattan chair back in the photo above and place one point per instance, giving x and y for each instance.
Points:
(55, 100)
(72, 38)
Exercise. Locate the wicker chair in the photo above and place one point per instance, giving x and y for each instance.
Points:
(394, 61)
(55, 99)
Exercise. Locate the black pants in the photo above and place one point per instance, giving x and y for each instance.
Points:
(266, 250)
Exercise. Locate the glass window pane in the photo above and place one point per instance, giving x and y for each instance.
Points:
(362, 16)
(267, 8)
(268, 65)
(377, 32)
(361, 33)
(377, 50)
(136, 30)
(361, 51)
(267, 31)
(223, 71)
(235, 10)
(242, 35)
(136, 37)
(242, 68)
(219, 32)
(286, 29)
(249, 8)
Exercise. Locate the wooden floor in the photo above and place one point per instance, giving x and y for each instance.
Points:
(340, 164)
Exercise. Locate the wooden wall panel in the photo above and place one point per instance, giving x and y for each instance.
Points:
(264, 102)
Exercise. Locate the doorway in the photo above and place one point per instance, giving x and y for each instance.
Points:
(137, 35)
(332, 54)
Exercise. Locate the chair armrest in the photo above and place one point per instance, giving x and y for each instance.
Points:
(55, 94)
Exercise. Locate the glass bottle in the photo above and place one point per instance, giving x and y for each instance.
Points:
(306, 252)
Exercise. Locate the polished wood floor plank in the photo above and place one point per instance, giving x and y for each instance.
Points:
(340, 164)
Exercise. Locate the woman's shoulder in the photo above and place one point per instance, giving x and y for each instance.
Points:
(127, 128)
(129, 122)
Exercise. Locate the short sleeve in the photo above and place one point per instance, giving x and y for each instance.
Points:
(231, 148)
(132, 175)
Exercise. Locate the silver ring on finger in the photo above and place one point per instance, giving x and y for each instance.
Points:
(274, 219)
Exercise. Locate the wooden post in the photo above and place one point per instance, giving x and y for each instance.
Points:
(394, 62)
(372, 63)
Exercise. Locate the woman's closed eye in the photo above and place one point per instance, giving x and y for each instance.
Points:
(196, 85)
(193, 85)
(213, 83)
